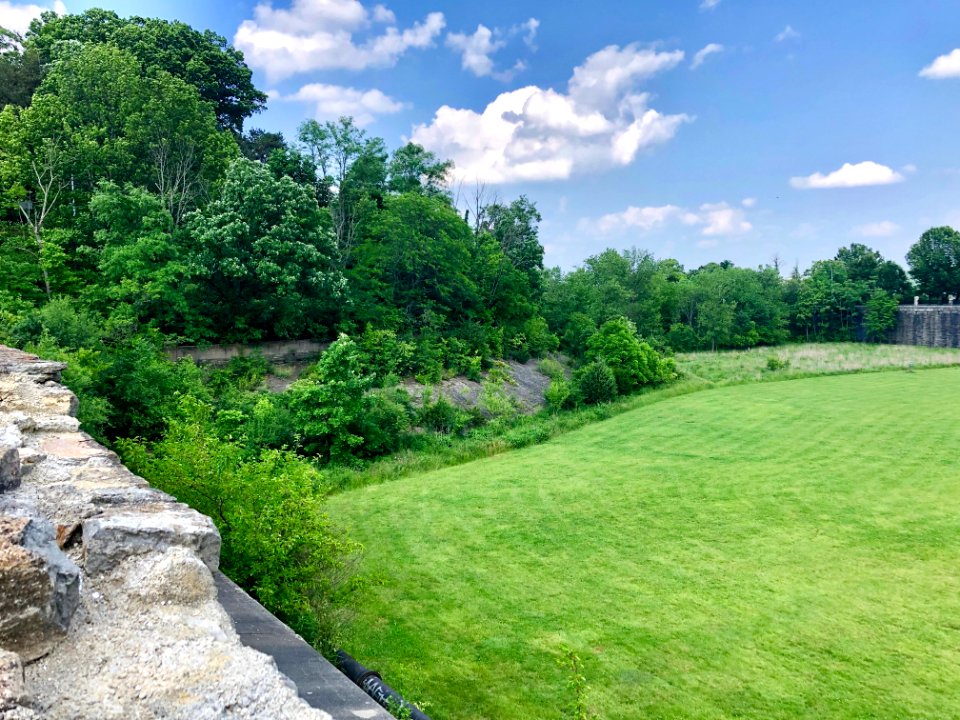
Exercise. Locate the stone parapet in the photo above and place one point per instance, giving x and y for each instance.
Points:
(108, 607)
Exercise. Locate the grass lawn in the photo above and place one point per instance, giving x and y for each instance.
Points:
(770, 550)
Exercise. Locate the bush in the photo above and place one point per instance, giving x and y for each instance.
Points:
(67, 326)
(775, 362)
(682, 338)
(277, 543)
(540, 340)
(558, 394)
(551, 368)
(328, 403)
(442, 416)
(384, 423)
(596, 383)
(634, 362)
(384, 355)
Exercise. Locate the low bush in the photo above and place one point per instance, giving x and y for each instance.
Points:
(596, 383)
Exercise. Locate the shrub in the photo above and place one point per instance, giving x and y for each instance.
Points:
(384, 355)
(775, 362)
(70, 328)
(558, 394)
(326, 405)
(495, 403)
(384, 423)
(277, 542)
(596, 383)
(540, 340)
(442, 416)
(551, 368)
(634, 363)
(580, 328)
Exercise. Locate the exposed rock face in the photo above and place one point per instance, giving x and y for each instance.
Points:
(108, 608)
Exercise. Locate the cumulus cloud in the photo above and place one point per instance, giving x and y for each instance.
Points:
(319, 35)
(884, 228)
(709, 4)
(703, 54)
(859, 175)
(714, 219)
(945, 66)
(17, 17)
(333, 101)
(477, 50)
(749, 202)
(534, 133)
(788, 33)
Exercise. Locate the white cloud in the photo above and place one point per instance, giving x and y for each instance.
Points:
(534, 133)
(721, 219)
(714, 219)
(885, 228)
(17, 17)
(476, 49)
(859, 175)
(709, 4)
(788, 33)
(749, 202)
(333, 101)
(319, 35)
(529, 30)
(703, 54)
(945, 66)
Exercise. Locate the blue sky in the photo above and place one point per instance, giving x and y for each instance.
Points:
(696, 129)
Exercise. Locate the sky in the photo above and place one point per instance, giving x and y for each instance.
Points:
(702, 130)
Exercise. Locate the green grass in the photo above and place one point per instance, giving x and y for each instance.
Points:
(770, 550)
(809, 360)
(699, 371)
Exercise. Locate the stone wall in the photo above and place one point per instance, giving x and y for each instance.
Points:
(108, 607)
(275, 352)
(933, 325)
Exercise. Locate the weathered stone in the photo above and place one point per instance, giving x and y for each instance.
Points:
(13, 690)
(9, 468)
(175, 577)
(39, 587)
(110, 538)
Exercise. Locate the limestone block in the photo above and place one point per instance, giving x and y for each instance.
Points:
(9, 468)
(39, 587)
(13, 691)
(115, 536)
(175, 577)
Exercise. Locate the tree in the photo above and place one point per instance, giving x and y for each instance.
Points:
(355, 166)
(413, 169)
(203, 59)
(114, 122)
(516, 228)
(880, 314)
(934, 262)
(266, 263)
(258, 144)
(634, 363)
(20, 71)
(328, 404)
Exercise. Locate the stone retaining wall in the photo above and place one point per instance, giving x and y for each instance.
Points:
(108, 608)
(933, 325)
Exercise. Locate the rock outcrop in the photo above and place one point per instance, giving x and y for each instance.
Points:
(108, 607)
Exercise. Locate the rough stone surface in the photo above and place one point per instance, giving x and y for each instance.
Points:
(13, 688)
(9, 468)
(108, 583)
(115, 536)
(39, 587)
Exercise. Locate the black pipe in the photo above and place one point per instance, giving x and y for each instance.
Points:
(374, 686)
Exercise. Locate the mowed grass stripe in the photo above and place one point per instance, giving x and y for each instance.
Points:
(775, 550)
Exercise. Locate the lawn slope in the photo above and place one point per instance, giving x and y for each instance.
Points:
(775, 550)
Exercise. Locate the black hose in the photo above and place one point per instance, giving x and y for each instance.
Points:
(374, 686)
